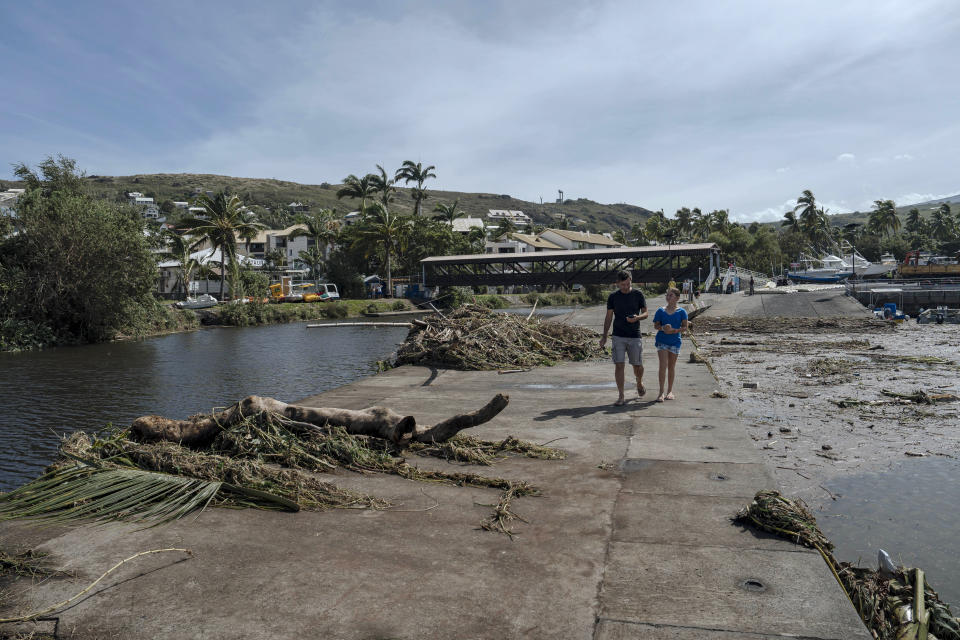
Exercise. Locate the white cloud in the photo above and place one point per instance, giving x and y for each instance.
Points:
(846, 157)
(903, 156)
(783, 169)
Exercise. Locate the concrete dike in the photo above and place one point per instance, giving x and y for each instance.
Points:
(631, 538)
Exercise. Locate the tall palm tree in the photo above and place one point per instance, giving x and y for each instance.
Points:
(449, 212)
(383, 185)
(358, 189)
(385, 229)
(806, 211)
(702, 224)
(226, 220)
(914, 221)
(322, 227)
(415, 172)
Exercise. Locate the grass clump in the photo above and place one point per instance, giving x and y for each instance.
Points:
(826, 367)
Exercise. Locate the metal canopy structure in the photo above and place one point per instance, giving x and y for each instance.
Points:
(589, 266)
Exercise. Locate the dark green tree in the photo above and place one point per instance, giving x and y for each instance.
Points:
(412, 171)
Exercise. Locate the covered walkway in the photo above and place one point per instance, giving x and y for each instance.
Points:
(590, 266)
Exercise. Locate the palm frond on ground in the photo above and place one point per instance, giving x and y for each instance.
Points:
(83, 492)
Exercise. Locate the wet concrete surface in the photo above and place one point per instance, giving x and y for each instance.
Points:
(630, 539)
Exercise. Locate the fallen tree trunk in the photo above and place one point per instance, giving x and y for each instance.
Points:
(377, 422)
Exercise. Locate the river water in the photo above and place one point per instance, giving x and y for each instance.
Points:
(47, 393)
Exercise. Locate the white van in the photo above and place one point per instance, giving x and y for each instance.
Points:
(328, 291)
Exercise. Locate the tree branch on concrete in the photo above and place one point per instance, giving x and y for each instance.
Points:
(376, 422)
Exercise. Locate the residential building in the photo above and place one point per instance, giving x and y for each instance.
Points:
(8, 199)
(351, 218)
(518, 218)
(181, 205)
(268, 240)
(519, 243)
(464, 225)
(298, 207)
(578, 239)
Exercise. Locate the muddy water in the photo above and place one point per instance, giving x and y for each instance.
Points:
(46, 393)
(892, 467)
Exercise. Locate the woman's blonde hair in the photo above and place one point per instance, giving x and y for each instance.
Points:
(674, 291)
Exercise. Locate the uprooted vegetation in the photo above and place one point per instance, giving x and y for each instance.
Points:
(894, 603)
(262, 459)
(790, 325)
(826, 367)
(475, 338)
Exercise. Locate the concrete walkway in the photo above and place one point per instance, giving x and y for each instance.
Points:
(631, 539)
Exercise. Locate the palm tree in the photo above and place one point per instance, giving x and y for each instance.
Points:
(322, 227)
(314, 259)
(883, 219)
(914, 221)
(179, 248)
(720, 220)
(225, 221)
(383, 185)
(702, 224)
(357, 188)
(942, 226)
(791, 221)
(806, 211)
(415, 172)
(449, 212)
(684, 220)
(505, 227)
(386, 229)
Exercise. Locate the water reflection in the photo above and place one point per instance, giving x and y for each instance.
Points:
(909, 511)
(60, 390)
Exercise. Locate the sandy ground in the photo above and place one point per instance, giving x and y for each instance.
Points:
(802, 367)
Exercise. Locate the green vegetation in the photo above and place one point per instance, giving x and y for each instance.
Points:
(76, 269)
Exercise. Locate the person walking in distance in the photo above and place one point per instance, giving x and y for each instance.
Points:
(670, 322)
(626, 307)
(751, 285)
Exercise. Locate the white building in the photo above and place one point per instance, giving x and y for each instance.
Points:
(269, 240)
(518, 218)
(181, 205)
(464, 225)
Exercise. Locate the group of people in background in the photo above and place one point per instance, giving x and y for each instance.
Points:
(626, 308)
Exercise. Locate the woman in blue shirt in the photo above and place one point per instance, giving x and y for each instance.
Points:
(670, 322)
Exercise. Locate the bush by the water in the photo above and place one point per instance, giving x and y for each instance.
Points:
(74, 269)
(255, 313)
(492, 301)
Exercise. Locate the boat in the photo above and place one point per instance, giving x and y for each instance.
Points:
(939, 315)
(203, 301)
(863, 268)
(829, 269)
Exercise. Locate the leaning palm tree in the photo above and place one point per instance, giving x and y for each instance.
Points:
(385, 229)
(383, 185)
(323, 227)
(806, 211)
(504, 228)
(448, 212)
(791, 221)
(225, 221)
(884, 215)
(702, 224)
(358, 189)
(179, 248)
(684, 222)
(415, 172)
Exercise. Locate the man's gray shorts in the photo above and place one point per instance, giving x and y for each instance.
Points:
(626, 347)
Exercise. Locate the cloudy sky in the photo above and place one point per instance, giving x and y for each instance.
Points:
(737, 105)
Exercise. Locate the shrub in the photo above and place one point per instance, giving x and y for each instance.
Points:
(399, 305)
(456, 296)
(335, 310)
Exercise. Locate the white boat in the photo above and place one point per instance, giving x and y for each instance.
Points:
(203, 301)
(828, 269)
(863, 268)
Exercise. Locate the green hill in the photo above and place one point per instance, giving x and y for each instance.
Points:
(271, 193)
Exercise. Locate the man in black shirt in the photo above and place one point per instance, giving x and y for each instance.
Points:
(625, 309)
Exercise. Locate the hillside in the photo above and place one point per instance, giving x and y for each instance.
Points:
(270, 193)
